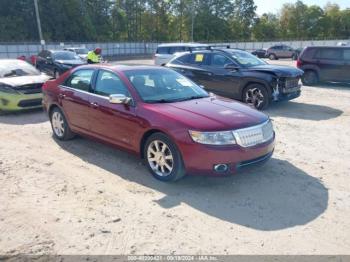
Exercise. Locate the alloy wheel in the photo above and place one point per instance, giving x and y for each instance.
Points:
(160, 158)
(254, 97)
(58, 124)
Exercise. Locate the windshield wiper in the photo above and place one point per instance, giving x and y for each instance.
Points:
(160, 101)
(191, 98)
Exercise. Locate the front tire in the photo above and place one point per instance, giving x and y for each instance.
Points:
(256, 96)
(309, 78)
(163, 159)
(56, 74)
(59, 124)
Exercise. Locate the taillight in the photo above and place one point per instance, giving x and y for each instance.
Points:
(299, 63)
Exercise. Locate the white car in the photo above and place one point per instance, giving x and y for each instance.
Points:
(82, 52)
(165, 52)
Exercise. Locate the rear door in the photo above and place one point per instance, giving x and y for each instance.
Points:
(330, 62)
(115, 123)
(74, 98)
(200, 71)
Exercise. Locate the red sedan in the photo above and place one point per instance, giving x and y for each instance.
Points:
(160, 115)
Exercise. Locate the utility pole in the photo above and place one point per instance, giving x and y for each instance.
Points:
(192, 18)
(42, 42)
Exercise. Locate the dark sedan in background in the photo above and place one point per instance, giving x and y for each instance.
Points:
(240, 75)
(56, 62)
(261, 53)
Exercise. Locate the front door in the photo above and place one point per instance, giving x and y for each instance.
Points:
(74, 98)
(223, 81)
(115, 123)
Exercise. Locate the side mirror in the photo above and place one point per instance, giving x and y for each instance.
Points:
(119, 99)
(231, 67)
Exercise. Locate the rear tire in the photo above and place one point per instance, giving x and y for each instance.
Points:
(163, 159)
(59, 124)
(272, 57)
(309, 78)
(256, 96)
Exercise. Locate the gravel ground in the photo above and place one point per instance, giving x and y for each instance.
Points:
(82, 197)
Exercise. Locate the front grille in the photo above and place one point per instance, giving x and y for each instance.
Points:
(255, 135)
(30, 103)
(29, 89)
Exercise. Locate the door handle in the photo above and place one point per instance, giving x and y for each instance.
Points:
(94, 104)
(62, 96)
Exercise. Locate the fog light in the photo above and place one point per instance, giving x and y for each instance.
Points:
(221, 168)
(4, 101)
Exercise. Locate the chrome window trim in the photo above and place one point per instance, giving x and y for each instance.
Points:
(89, 93)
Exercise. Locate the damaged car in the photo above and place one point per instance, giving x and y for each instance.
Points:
(20, 85)
(239, 75)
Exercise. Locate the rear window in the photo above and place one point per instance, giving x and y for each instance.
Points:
(175, 49)
(163, 50)
(329, 54)
(199, 59)
(184, 59)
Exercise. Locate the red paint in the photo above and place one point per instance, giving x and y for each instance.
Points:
(124, 126)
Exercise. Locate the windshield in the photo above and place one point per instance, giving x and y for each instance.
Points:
(16, 68)
(81, 51)
(246, 59)
(163, 86)
(65, 55)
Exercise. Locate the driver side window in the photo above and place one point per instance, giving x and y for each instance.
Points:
(108, 83)
(219, 60)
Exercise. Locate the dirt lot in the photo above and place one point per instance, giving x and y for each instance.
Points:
(81, 197)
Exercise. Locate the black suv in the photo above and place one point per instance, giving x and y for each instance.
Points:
(325, 63)
(56, 62)
(240, 75)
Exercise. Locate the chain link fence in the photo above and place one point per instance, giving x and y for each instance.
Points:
(137, 49)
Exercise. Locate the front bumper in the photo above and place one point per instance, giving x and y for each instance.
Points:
(201, 159)
(288, 96)
(17, 102)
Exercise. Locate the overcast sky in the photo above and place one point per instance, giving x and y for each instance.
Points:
(273, 6)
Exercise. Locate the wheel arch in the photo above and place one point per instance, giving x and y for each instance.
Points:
(256, 82)
(145, 136)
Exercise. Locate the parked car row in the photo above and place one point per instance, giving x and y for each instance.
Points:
(165, 114)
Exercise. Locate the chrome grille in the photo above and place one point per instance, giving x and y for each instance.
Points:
(291, 83)
(254, 135)
(29, 89)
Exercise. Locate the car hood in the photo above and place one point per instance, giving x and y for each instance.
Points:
(210, 114)
(24, 80)
(70, 62)
(278, 70)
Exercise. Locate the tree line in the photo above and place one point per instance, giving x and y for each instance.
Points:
(169, 20)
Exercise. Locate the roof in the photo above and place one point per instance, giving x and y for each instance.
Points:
(182, 44)
(123, 67)
(4, 61)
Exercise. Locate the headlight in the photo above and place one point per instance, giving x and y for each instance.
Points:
(7, 89)
(213, 138)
